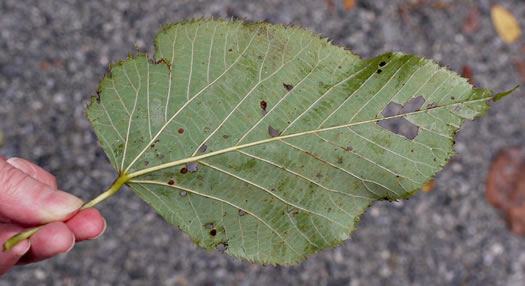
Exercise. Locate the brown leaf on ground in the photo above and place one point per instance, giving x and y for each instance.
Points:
(506, 25)
(505, 188)
(348, 4)
(44, 65)
(471, 21)
(428, 186)
(520, 68)
(466, 72)
(329, 4)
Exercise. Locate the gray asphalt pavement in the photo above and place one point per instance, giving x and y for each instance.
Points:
(53, 53)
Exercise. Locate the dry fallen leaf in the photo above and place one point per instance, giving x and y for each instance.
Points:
(329, 4)
(348, 4)
(520, 67)
(428, 187)
(466, 72)
(505, 24)
(505, 187)
(471, 22)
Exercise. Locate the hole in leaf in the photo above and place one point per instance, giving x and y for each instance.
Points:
(203, 148)
(222, 247)
(241, 212)
(183, 193)
(273, 132)
(413, 105)
(400, 125)
(192, 166)
(209, 226)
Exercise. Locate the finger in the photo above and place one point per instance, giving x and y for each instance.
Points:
(25, 200)
(50, 240)
(10, 258)
(87, 224)
(33, 171)
(2, 158)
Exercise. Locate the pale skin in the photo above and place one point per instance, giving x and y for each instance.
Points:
(29, 197)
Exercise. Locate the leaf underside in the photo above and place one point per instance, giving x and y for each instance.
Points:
(263, 141)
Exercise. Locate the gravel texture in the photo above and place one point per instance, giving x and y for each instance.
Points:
(53, 53)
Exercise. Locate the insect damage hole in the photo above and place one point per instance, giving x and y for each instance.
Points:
(400, 125)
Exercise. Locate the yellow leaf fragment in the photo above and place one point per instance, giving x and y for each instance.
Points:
(348, 4)
(506, 25)
(428, 187)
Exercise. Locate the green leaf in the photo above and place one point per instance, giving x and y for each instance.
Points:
(266, 142)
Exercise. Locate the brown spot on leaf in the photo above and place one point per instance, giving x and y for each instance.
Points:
(505, 187)
(381, 64)
(225, 136)
(183, 171)
(432, 105)
(171, 182)
(340, 160)
(181, 130)
(213, 232)
(263, 105)
(273, 132)
(192, 167)
(288, 87)
(230, 50)
(146, 163)
(379, 71)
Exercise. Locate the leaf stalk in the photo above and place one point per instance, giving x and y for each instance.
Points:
(21, 236)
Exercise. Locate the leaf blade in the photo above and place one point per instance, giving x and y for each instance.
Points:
(293, 152)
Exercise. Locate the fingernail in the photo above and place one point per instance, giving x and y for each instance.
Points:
(59, 205)
(103, 230)
(21, 248)
(16, 162)
(72, 244)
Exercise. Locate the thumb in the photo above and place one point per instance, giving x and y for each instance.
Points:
(25, 200)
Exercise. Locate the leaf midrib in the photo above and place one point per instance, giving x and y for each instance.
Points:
(268, 140)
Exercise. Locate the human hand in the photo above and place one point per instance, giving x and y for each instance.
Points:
(29, 197)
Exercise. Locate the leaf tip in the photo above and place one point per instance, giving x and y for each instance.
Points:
(501, 95)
